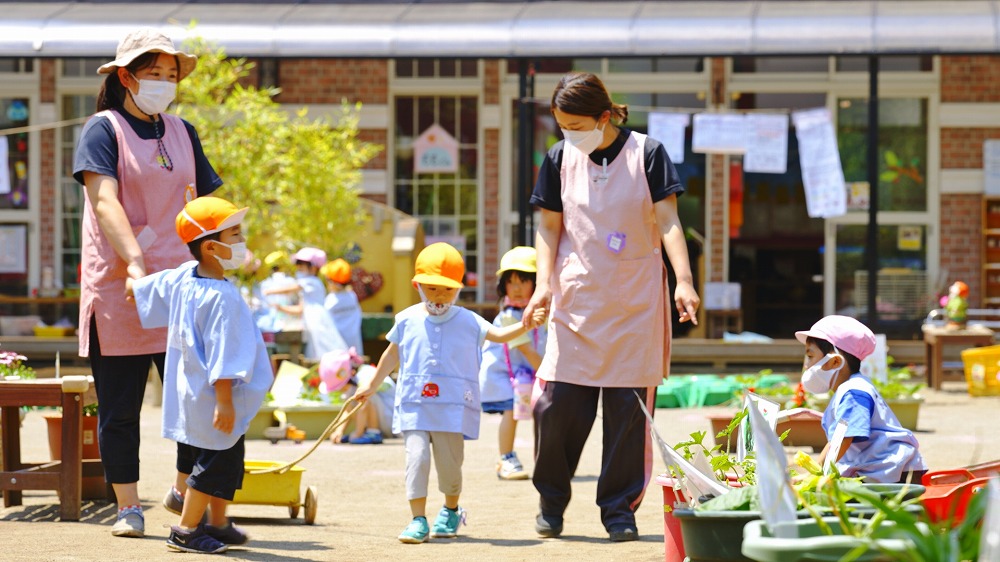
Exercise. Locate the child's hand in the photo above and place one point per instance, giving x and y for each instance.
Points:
(224, 418)
(538, 317)
(364, 391)
(129, 294)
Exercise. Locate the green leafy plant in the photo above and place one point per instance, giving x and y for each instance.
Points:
(899, 384)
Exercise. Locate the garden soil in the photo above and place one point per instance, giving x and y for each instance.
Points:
(362, 506)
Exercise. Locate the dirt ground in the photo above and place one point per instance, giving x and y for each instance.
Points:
(362, 506)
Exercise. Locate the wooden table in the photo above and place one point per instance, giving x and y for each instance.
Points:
(937, 337)
(64, 476)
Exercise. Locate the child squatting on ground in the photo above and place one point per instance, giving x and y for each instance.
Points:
(437, 348)
(508, 370)
(876, 446)
(217, 369)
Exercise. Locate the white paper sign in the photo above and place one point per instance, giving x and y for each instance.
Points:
(767, 144)
(989, 542)
(4, 166)
(435, 150)
(769, 410)
(991, 166)
(774, 489)
(668, 128)
(718, 133)
(876, 365)
(13, 240)
(819, 158)
(836, 442)
(721, 296)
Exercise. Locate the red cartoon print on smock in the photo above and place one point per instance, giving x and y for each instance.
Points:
(430, 390)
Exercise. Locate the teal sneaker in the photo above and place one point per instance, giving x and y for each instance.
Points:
(415, 532)
(447, 523)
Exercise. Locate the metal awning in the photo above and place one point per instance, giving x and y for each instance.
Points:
(514, 29)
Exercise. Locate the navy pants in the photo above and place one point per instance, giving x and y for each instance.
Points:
(120, 381)
(564, 415)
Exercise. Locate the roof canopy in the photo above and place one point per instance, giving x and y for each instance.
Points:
(514, 29)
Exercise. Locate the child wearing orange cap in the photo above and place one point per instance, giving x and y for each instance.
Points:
(437, 347)
(216, 371)
(342, 303)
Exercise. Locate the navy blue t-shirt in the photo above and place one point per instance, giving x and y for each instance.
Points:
(660, 172)
(98, 151)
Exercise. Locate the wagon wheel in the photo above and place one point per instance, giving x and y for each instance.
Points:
(312, 497)
(293, 511)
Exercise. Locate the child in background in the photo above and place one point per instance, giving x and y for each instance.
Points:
(318, 330)
(270, 319)
(876, 446)
(511, 366)
(217, 370)
(437, 348)
(342, 303)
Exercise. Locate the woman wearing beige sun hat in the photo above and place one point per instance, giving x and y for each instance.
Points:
(138, 166)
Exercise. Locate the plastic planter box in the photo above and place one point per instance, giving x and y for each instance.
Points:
(812, 545)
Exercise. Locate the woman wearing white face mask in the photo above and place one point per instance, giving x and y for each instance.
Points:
(138, 166)
(876, 446)
(608, 199)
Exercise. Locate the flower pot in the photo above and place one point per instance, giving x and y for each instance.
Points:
(93, 487)
(805, 429)
(812, 545)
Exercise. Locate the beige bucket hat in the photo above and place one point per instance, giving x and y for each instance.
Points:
(148, 41)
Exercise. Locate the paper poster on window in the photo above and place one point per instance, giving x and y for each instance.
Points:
(435, 150)
(767, 144)
(991, 166)
(858, 196)
(910, 238)
(716, 133)
(4, 166)
(13, 240)
(819, 158)
(721, 296)
(668, 128)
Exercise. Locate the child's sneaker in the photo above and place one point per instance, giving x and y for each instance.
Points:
(509, 468)
(173, 501)
(447, 523)
(230, 534)
(370, 437)
(195, 540)
(415, 532)
(130, 523)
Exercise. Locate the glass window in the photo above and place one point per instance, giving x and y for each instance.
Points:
(14, 65)
(81, 67)
(887, 64)
(71, 207)
(902, 148)
(660, 64)
(437, 68)
(902, 283)
(14, 154)
(447, 204)
(780, 64)
(557, 66)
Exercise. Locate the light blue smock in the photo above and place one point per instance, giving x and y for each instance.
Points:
(438, 384)
(494, 373)
(882, 449)
(270, 319)
(211, 336)
(318, 330)
(345, 309)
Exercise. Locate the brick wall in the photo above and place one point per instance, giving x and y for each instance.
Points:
(381, 138)
(961, 242)
(491, 213)
(47, 175)
(970, 79)
(491, 83)
(963, 148)
(716, 190)
(330, 81)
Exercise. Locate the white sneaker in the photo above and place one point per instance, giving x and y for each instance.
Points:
(511, 469)
(130, 523)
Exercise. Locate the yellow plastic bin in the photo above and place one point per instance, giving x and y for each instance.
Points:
(982, 370)
(276, 489)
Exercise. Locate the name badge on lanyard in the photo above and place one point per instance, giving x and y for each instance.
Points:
(616, 242)
(601, 177)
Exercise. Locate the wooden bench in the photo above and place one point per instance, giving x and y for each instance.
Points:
(43, 349)
(719, 355)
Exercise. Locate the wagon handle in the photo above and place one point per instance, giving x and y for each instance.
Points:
(350, 408)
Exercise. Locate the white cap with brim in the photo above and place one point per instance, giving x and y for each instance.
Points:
(144, 41)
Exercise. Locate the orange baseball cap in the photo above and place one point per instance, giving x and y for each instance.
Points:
(207, 215)
(338, 271)
(440, 264)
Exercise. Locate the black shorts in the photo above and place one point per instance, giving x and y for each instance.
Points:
(216, 473)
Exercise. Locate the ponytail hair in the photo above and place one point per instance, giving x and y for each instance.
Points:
(583, 93)
(112, 92)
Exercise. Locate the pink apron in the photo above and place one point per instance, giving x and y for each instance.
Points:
(609, 324)
(151, 197)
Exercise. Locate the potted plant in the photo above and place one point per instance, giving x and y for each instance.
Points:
(13, 368)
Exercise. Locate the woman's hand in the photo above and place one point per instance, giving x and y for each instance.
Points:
(540, 299)
(686, 300)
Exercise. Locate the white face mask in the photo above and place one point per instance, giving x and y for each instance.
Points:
(818, 380)
(236, 260)
(154, 96)
(435, 309)
(584, 141)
